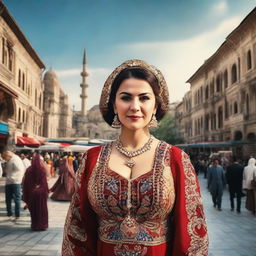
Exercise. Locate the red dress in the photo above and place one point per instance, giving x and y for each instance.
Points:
(159, 213)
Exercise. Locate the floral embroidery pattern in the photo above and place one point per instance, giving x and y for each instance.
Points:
(150, 196)
(125, 250)
(194, 208)
(72, 227)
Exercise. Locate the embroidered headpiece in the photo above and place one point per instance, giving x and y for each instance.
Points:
(163, 89)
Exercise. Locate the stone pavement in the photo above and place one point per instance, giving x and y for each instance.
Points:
(230, 234)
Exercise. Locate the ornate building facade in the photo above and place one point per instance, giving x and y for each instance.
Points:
(221, 103)
(21, 88)
(57, 111)
(89, 123)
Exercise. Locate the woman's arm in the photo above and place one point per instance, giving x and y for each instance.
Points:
(80, 231)
(190, 231)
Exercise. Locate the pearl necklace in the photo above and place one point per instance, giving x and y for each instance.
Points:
(130, 154)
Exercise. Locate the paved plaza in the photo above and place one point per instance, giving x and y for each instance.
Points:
(231, 234)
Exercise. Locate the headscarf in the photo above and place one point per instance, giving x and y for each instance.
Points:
(163, 94)
(249, 173)
(35, 176)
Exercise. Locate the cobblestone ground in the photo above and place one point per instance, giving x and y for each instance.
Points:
(230, 234)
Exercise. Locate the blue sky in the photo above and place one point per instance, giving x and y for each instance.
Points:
(174, 35)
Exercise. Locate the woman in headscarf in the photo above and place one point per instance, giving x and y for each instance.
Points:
(63, 188)
(136, 195)
(35, 193)
(249, 175)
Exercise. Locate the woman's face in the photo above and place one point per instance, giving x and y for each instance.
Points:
(135, 103)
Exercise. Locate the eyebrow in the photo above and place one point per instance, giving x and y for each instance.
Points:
(129, 94)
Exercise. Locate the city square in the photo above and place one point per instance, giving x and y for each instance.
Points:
(119, 111)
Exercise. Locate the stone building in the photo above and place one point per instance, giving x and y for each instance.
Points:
(21, 88)
(57, 111)
(89, 123)
(221, 103)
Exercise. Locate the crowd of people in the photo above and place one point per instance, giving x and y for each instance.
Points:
(236, 174)
(27, 176)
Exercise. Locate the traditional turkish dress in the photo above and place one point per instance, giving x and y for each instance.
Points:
(158, 213)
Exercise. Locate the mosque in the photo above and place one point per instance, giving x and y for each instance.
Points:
(61, 121)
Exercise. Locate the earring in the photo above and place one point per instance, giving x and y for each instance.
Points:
(116, 123)
(153, 122)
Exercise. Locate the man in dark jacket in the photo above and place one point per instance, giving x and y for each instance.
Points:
(216, 183)
(234, 176)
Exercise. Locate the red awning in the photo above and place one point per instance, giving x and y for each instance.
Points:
(26, 141)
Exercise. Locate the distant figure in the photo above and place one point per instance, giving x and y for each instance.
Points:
(35, 193)
(25, 161)
(75, 163)
(14, 170)
(249, 175)
(216, 183)
(234, 176)
(64, 187)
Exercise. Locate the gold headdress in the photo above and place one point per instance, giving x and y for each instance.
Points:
(163, 95)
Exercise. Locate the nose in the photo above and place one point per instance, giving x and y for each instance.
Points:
(135, 105)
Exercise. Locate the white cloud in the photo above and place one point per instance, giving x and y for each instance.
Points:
(220, 8)
(178, 60)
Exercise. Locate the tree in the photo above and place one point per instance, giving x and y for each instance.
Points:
(167, 130)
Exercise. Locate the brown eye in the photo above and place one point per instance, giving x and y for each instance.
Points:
(125, 98)
(144, 98)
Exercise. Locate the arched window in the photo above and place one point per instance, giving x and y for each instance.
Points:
(23, 116)
(234, 73)
(207, 92)
(220, 117)
(249, 60)
(225, 78)
(23, 81)
(247, 104)
(235, 108)
(218, 83)
(19, 115)
(19, 78)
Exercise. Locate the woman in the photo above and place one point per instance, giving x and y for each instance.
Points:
(249, 175)
(35, 193)
(63, 189)
(136, 195)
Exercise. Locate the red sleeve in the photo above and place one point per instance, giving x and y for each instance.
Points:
(80, 231)
(190, 232)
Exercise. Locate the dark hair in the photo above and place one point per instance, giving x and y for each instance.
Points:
(139, 73)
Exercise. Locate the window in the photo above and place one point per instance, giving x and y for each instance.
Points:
(19, 115)
(218, 83)
(206, 92)
(247, 104)
(3, 51)
(235, 108)
(23, 117)
(35, 97)
(19, 78)
(234, 73)
(23, 81)
(249, 60)
(220, 117)
(225, 78)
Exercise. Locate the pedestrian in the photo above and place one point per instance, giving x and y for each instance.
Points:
(14, 171)
(234, 178)
(64, 187)
(35, 193)
(25, 160)
(249, 175)
(135, 195)
(216, 183)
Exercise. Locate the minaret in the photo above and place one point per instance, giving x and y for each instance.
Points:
(83, 85)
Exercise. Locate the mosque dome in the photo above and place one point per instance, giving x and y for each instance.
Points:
(51, 81)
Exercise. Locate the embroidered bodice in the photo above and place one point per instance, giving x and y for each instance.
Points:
(134, 210)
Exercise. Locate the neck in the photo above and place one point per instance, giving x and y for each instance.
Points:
(133, 140)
